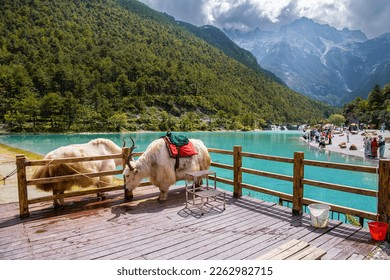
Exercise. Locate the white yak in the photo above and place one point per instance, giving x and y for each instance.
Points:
(97, 147)
(157, 165)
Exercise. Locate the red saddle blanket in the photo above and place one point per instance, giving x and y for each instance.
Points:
(174, 151)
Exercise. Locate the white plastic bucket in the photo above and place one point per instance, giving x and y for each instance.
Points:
(319, 214)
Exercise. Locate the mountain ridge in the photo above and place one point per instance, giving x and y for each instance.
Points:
(317, 60)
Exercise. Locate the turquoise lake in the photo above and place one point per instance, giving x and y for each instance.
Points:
(278, 143)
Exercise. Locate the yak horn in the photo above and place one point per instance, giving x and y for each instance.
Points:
(124, 142)
(129, 158)
(131, 155)
(132, 148)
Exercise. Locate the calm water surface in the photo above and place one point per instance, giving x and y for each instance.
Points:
(278, 143)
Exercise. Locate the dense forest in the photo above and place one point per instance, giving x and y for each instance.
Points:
(373, 111)
(117, 65)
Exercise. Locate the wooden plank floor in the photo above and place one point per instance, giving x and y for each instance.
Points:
(144, 229)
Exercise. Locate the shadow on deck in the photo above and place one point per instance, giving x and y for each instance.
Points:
(144, 229)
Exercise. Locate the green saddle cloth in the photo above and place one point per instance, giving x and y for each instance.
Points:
(177, 139)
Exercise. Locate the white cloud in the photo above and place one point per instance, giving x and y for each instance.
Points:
(332, 12)
(372, 17)
(270, 9)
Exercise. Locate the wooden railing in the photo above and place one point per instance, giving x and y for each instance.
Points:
(22, 163)
(298, 181)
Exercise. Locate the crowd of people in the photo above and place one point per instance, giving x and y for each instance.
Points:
(373, 145)
(323, 137)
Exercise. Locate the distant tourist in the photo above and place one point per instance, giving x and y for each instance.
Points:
(383, 127)
(329, 135)
(374, 148)
(312, 135)
(321, 143)
(317, 136)
(347, 133)
(367, 146)
(381, 144)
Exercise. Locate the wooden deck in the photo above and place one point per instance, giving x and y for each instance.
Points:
(145, 229)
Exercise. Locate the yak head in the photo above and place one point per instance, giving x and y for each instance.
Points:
(131, 173)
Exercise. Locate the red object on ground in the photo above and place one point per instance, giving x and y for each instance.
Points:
(378, 230)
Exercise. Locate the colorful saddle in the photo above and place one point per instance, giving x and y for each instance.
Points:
(179, 146)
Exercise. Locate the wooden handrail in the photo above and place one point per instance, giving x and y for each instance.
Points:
(223, 166)
(342, 188)
(72, 177)
(267, 191)
(71, 160)
(267, 174)
(267, 157)
(219, 151)
(225, 181)
(73, 194)
(79, 193)
(350, 167)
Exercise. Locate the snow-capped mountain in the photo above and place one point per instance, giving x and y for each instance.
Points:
(320, 61)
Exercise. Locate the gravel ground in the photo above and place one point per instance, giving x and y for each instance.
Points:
(8, 187)
(382, 252)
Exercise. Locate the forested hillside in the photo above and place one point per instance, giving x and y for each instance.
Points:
(320, 61)
(373, 111)
(110, 65)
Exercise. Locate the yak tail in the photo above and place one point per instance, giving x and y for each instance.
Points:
(39, 173)
(53, 170)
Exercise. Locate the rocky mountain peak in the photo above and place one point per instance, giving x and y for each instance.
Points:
(319, 60)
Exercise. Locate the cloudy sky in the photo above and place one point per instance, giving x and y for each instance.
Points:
(370, 16)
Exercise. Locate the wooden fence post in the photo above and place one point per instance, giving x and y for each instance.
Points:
(297, 183)
(22, 186)
(384, 193)
(125, 153)
(237, 164)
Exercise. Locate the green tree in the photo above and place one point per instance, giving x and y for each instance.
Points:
(337, 119)
(375, 98)
(117, 121)
(167, 123)
(374, 110)
(249, 120)
(52, 106)
(15, 120)
(87, 119)
(190, 122)
(72, 105)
